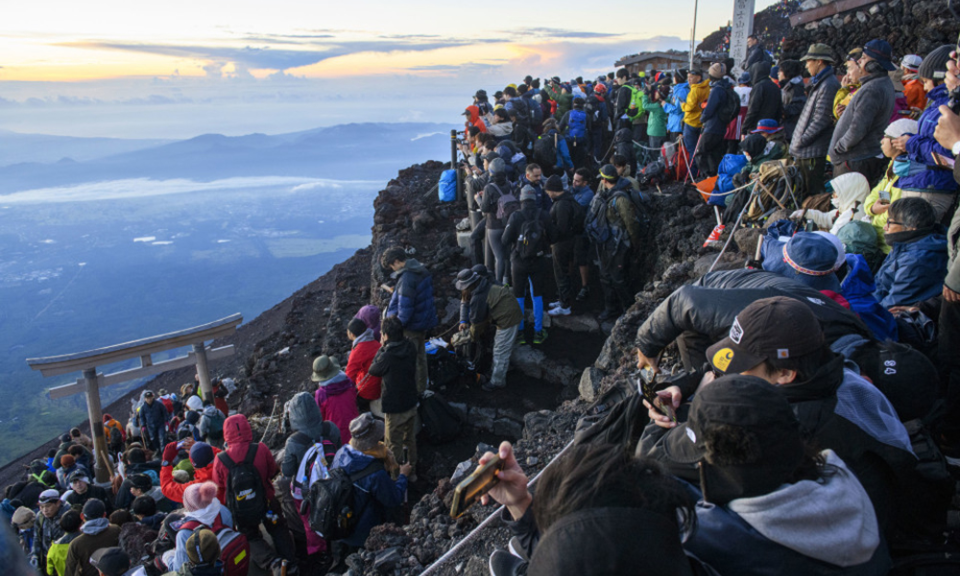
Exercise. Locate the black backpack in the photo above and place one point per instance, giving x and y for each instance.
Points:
(545, 151)
(441, 423)
(442, 368)
(730, 108)
(246, 497)
(507, 204)
(579, 215)
(330, 502)
(532, 241)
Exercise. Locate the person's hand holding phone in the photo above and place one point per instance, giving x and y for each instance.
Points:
(670, 396)
(643, 362)
(511, 491)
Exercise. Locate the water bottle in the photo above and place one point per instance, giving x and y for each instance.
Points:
(271, 516)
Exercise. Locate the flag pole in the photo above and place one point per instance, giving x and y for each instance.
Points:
(693, 32)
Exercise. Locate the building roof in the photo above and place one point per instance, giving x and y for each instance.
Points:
(644, 56)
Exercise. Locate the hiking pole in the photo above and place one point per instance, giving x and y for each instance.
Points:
(730, 238)
(716, 211)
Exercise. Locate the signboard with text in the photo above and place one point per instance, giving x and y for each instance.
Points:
(741, 27)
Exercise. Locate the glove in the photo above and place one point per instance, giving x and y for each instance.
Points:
(169, 453)
(796, 214)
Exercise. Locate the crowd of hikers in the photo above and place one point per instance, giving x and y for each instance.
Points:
(809, 425)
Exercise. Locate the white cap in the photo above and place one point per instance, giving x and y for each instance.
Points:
(902, 126)
(194, 403)
(911, 61)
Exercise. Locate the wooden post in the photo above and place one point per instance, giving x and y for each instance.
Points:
(203, 372)
(102, 470)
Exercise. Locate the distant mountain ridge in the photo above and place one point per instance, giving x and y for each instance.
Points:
(348, 151)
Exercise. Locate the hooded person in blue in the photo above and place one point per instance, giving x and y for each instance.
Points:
(677, 97)
(807, 257)
(371, 464)
(857, 288)
(914, 269)
(412, 302)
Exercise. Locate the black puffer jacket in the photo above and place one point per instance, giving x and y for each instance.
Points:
(563, 216)
(811, 136)
(765, 100)
(396, 363)
(709, 306)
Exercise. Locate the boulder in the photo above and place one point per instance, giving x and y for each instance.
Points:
(590, 383)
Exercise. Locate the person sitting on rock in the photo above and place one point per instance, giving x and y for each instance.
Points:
(887, 190)
(483, 303)
(395, 363)
(527, 236)
(336, 394)
(201, 457)
(914, 269)
(363, 347)
(849, 192)
(82, 489)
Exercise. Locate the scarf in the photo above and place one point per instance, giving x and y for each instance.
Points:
(907, 235)
(380, 452)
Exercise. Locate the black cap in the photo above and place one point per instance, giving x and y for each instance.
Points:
(481, 93)
(111, 561)
(774, 328)
(94, 509)
(141, 482)
(934, 66)
(554, 184)
(609, 172)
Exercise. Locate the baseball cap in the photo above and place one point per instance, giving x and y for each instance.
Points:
(771, 328)
(111, 561)
(48, 496)
(94, 509)
(78, 475)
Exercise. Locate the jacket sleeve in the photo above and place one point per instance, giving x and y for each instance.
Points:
(72, 567)
(873, 197)
(563, 154)
(909, 280)
(379, 365)
(921, 147)
(821, 116)
(562, 126)
(823, 220)
(387, 491)
(291, 457)
(753, 110)
(491, 198)
(864, 114)
(353, 366)
(713, 104)
(690, 104)
(406, 297)
(624, 95)
(512, 230)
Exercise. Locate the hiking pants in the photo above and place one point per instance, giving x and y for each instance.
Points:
(613, 277)
(478, 244)
(812, 170)
(260, 552)
(503, 343)
(562, 258)
(949, 344)
(656, 142)
(872, 168)
(530, 275)
(690, 137)
(157, 435)
(596, 144)
(418, 340)
(400, 431)
(710, 154)
(497, 263)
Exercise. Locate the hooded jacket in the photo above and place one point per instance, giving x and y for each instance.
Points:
(337, 399)
(206, 516)
(396, 364)
(237, 436)
(412, 299)
(860, 128)
(922, 146)
(307, 422)
(710, 117)
(502, 129)
(361, 355)
(152, 416)
(794, 96)
(474, 118)
(211, 422)
(173, 490)
(374, 494)
(811, 135)
(563, 218)
(858, 288)
(913, 271)
(57, 555)
(657, 120)
(765, 99)
(691, 108)
(851, 191)
(811, 527)
(95, 534)
(673, 107)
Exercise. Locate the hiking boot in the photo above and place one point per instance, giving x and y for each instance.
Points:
(714, 236)
(540, 336)
(517, 549)
(521, 339)
(608, 314)
(559, 311)
(503, 563)
(556, 304)
(582, 294)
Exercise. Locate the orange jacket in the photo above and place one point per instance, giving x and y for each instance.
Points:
(916, 96)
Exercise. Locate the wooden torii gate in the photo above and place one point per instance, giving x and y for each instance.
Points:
(91, 382)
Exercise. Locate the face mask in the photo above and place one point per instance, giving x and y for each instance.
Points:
(901, 167)
(835, 202)
(748, 157)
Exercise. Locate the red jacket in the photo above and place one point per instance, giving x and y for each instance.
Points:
(174, 490)
(475, 118)
(368, 387)
(237, 436)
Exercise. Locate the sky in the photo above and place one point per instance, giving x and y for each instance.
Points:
(176, 69)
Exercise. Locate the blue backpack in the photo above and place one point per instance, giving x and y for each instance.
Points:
(578, 124)
(448, 186)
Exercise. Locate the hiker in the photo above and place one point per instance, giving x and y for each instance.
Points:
(765, 97)
(363, 347)
(230, 472)
(141, 485)
(797, 513)
(82, 490)
(367, 455)
(566, 221)
(336, 394)
(561, 94)
(672, 105)
(96, 533)
(47, 528)
(583, 194)
(203, 555)
(211, 425)
(793, 94)
(849, 192)
(82, 439)
(780, 340)
(912, 85)
(502, 127)
(144, 509)
(597, 510)
(755, 52)
(692, 108)
(913, 271)
(575, 126)
(395, 364)
(29, 490)
(494, 210)
(855, 144)
(70, 522)
(612, 223)
(152, 417)
(412, 303)
(657, 120)
(473, 119)
(711, 146)
(23, 521)
(370, 315)
(68, 465)
(527, 236)
(596, 109)
(811, 136)
(201, 505)
(735, 132)
(483, 303)
(887, 190)
(116, 437)
(849, 83)
(551, 151)
(925, 177)
(201, 458)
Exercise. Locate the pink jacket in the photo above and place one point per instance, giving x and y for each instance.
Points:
(337, 399)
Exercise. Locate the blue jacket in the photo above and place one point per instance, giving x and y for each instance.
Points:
(912, 271)
(858, 287)
(730, 166)
(921, 147)
(412, 300)
(710, 117)
(372, 494)
(675, 118)
(543, 201)
(152, 416)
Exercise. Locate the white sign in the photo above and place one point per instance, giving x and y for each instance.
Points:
(741, 27)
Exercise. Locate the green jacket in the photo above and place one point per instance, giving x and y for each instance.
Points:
(657, 122)
(504, 310)
(57, 555)
(564, 101)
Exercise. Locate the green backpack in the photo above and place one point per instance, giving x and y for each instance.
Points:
(635, 110)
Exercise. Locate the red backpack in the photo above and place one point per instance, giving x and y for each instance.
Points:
(234, 548)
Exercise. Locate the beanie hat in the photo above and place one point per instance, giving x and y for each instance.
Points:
(141, 482)
(107, 418)
(198, 496)
(609, 172)
(192, 416)
(497, 166)
(66, 438)
(67, 461)
(528, 193)
(94, 509)
(934, 66)
(203, 547)
(201, 455)
(194, 403)
(554, 184)
(23, 518)
(717, 70)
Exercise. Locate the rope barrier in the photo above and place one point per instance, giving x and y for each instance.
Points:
(495, 514)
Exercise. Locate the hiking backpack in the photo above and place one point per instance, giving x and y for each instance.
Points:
(730, 108)
(330, 502)
(246, 496)
(507, 204)
(578, 124)
(545, 150)
(234, 547)
(313, 467)
(441, 423)
(636, 103)
(532, 239)
(596, 226)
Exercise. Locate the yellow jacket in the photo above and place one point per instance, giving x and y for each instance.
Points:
(888, 183)
(691, 108)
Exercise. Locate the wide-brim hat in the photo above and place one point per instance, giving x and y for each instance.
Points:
(466, 278)
(767, 127)
(810, 259)
(818, 52)
(324, 368)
